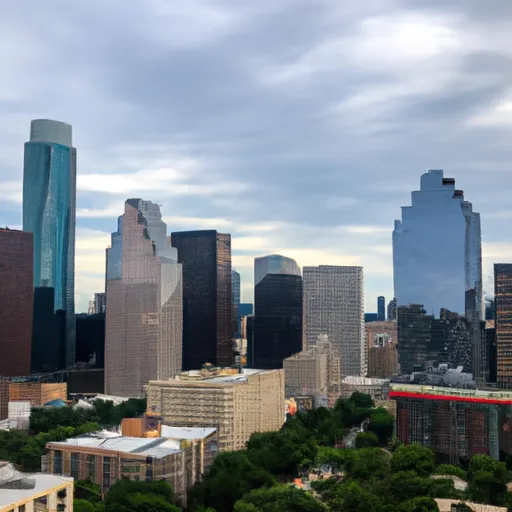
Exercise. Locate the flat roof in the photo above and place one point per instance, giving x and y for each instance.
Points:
(363, 381)
(186, 433)
(194, 377)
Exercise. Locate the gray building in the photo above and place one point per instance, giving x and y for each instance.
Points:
(235, 293)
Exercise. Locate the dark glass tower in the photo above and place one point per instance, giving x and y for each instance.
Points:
(503, 307)
(278, 311)
(49, 202)
(381, 309)
(207, 303)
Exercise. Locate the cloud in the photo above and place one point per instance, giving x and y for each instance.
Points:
(299, 127)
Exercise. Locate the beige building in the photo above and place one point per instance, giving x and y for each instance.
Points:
(447, 505)
(378, 389)
(236, 404)
(315, 371)
(382, 349)
(143, 325)
(34, 492)
(36, 393)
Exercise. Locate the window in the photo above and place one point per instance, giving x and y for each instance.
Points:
(91, 467)
(75, 465)
(107, 466)
(57, 462)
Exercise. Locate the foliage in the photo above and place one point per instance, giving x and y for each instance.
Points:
(366, 440)
(229, 478)
(382, 424)
(87, 490)
(406, 485)
(413, 457)
(132, 496)
(336, 456)
(419, 505)
(362, 400)
(369, 463)
(449, 469)
(278, 499)
(487, 480)
(351, 497)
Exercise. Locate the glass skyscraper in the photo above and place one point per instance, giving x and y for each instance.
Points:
(49, 209)
(437, 254)
(235, 292)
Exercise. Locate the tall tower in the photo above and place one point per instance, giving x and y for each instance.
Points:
(381, 309)
(49, 209)
(278, 311)
(207, 303)
(437, 250)
(503, 305)
(143, 326)
(235, 287)
(334, 305)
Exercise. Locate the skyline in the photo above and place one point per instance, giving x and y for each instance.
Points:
(305, 143)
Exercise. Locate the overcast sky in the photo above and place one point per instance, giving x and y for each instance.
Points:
(298, 126)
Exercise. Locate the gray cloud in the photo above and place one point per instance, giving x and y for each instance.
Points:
(309, 117)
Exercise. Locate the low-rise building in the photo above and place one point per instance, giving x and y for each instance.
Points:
(38, 394)
(30, 492)
(237, 403)
(378, 389)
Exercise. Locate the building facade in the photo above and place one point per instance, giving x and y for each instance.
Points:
(381, 309)
(143, 325)
(207, 301)
(503, 322)
(235, 294)
(49, 211)
(334, 305)
(278, 311)
(382, 349)
(17, 299)
(437, 250)
(236, 404)
(378, 389)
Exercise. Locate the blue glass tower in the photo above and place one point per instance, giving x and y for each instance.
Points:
(49, 210)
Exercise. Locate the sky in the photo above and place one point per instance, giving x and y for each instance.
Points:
(298, 126)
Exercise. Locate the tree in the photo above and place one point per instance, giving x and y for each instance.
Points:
(278, 499)
(83, 506)
(406, 485)
(382, 424)
(449, 469)
(133, 496)
(413, 457)
(419, 505)
(335, 456)
(487, 480)
(366, 440)
(362, 400)
(369, 463)
(351, 497)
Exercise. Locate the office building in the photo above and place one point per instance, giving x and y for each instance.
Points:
(334, 305)
(49, 210)
(503, 322)
(143, 325)
(100, 303)
(29, 492)
(391, 310)
(455, 423)
(207, 303)
(278, 310)
(90, 339)
(437, 250)
(36, 393)
(382, 349)
(313, 372)
(371, 317)
(17, 301)
(235, 295)
(236, 404)
(381, 309)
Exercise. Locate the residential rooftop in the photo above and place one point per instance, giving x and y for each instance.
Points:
(212, 375)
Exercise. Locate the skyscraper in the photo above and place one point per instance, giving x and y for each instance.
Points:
(143, 327)
(235, 287)
(277, 309)
(334, 305)
(207, 304)
(17, 301)
(49, 208)
(381, 309)
(437, 254)
(503, 322)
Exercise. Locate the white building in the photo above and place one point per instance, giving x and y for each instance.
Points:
(334, 305)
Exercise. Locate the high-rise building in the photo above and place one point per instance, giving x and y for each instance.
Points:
(381, 309)
(49, 210)
(100, 302)
(334, 305)
(382, 349)
(17, 301)
(235, 292)
(207, 304)
(143, 326)
(391, 310)
(503, 322)
(437, 253)
(277, 310)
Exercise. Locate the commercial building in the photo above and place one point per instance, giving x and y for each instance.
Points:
(378, 389)
(437, 250)
(503, 308)
(391, 310)
(334, 305)
(382, 349)
(49, 211)
(236, 404)
(207, 302)
(90, 339)
(4, 398)
(38, 394)
(30, 492)
(277, 311)
(455, 423)
(143, 327)
(17, 301)
(314, 372)
(235, 294)
(381, 309)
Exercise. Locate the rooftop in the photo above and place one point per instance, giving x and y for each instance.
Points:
(216, 376)
(364, 381)
(186, 433)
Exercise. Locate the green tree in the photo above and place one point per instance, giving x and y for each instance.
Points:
(487, 480)
(336, 456)
(133, 496)
(278, 499)
(449, 469)
(382, 424)
(83, 506)
(366, 440)
(369, 463)
(351, 497)
(419, 504)
(229, 478)
(362, 400)
(406, 485)
(413, 457)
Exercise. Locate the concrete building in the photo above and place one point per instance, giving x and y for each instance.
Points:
(32, 492)
(143, 325)
(315, 371)
(38, 394)
(17, 301)
(49, 212)
(503, 323)
(334, 305)
(235, 295)
(378, 389)
(236, 404)
(382, 349)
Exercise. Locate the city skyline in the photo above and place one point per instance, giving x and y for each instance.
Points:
(335, 158)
